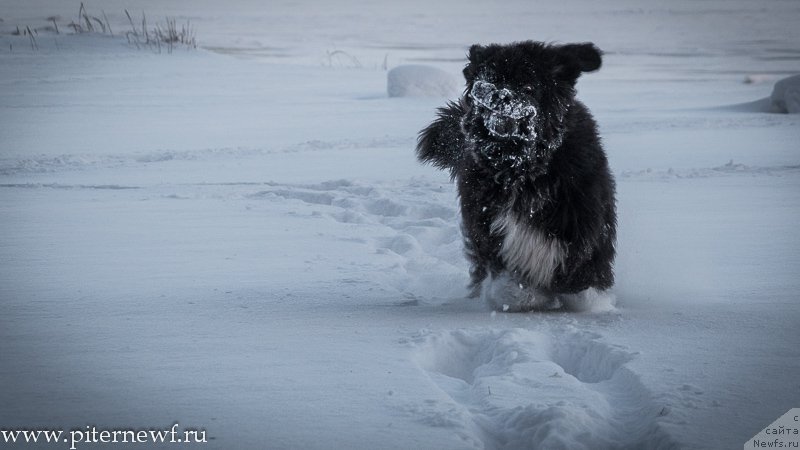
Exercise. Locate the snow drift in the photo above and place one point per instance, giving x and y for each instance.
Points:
(420, 81)
(785, 96)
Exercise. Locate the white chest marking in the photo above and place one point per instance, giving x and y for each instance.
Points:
(529, 251)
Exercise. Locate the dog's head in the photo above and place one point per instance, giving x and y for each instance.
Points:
(522, 91)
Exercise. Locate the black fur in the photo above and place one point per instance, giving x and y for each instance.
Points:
(520, 145)
(442, 142)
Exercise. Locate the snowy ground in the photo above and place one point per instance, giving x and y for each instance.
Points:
(239, 238)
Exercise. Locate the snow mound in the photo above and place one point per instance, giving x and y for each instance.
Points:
(420, 81)
(785, 96)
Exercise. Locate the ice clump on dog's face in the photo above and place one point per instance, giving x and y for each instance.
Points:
(501, 101)
(504, 114)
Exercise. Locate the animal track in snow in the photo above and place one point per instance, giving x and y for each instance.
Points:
(529, 389)
(314, 198)
(386, 205)
(409, 221)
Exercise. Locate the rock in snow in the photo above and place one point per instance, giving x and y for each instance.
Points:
(785, 96)
(420, 81)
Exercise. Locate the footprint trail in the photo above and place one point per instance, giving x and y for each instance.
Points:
(539, 389)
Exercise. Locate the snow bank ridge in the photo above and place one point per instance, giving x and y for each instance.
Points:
(730, 168)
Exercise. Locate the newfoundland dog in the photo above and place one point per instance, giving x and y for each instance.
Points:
(537, 196)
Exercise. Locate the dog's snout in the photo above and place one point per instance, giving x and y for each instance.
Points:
(502, 101)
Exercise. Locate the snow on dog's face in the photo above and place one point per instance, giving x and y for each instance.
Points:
(522, 91)
(505, 114)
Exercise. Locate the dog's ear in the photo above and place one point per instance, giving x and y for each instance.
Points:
(586, 55)
(476, 53)
(474, 58)
(577, 58)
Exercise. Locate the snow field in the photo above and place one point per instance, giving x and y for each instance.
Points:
(239, 238)
(389, 252)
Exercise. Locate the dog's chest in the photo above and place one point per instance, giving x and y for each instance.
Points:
(527, 250)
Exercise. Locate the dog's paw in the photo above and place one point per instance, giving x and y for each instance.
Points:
(589, 300)
(504, 294)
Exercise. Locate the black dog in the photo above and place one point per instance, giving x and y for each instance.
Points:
(537, 196)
